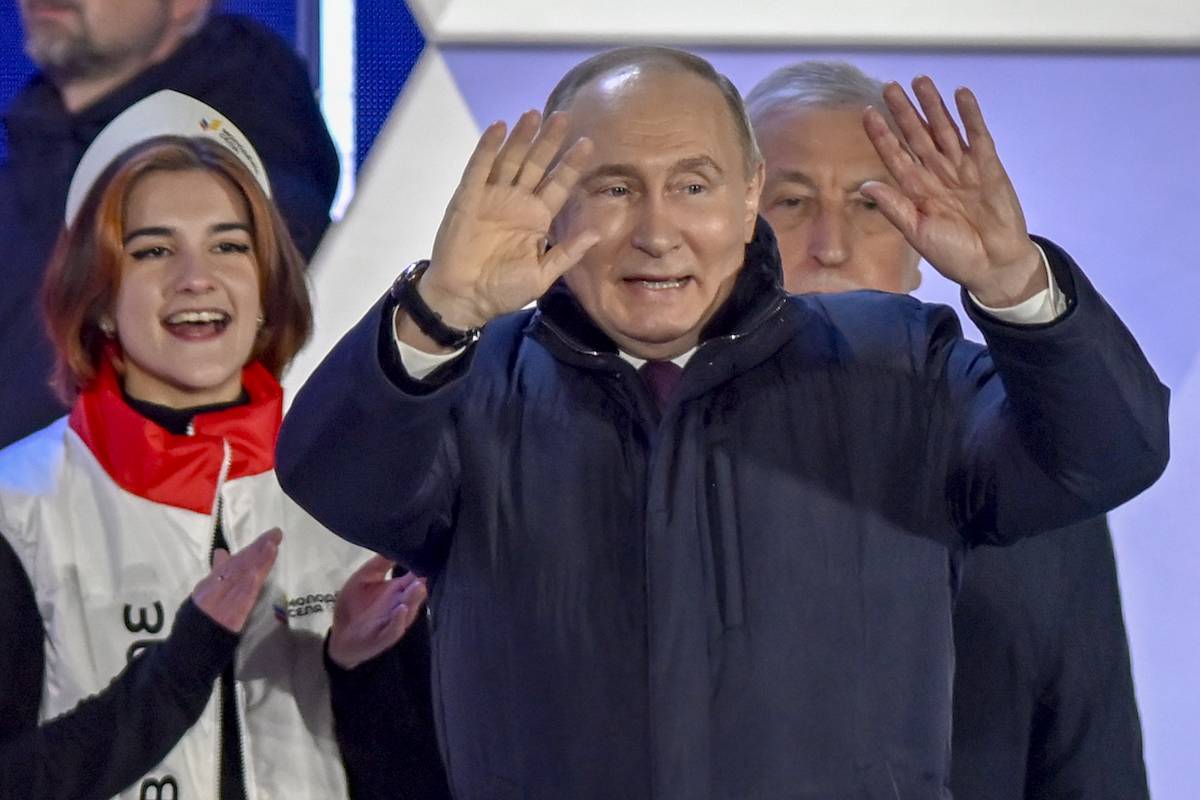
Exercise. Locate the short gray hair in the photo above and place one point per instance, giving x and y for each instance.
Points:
(816, 84)
(667, 59)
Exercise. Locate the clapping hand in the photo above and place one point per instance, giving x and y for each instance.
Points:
(373, 612)
(490, 256)
(954, 203)
(230, 590)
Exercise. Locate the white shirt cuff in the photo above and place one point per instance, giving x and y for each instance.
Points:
(417, 363)
(1045, 306)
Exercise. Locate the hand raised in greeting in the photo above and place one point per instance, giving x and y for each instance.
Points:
(955, 203)
(490, 255)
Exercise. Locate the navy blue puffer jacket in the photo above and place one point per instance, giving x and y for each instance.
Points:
(750, 597)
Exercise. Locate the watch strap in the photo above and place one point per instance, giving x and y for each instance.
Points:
(404, 293)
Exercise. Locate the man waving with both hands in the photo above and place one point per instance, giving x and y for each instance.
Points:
(688, 536)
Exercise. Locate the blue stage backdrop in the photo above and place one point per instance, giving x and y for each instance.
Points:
(387, 43)
(14, 66)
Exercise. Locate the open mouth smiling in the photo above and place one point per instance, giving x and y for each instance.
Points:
(197, 323)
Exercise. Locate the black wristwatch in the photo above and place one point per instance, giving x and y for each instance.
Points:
(404, 293)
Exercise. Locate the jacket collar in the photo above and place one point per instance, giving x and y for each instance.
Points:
(182, 471)
(565, 328)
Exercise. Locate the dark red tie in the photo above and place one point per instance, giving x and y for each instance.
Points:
(662, 379)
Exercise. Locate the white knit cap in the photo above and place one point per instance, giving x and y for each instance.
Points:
(164, 113)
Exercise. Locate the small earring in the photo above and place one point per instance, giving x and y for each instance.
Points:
(260, 321)
(107, 327)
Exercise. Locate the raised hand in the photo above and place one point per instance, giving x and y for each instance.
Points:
(955, 203)
(230, 590)
(490, 255)
(373, 612)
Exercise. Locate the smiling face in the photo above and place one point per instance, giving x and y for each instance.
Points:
(667, 191)
(832, 237)
(187, 308)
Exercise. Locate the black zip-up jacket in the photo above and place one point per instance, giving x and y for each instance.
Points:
(235, 65)
(749, 598)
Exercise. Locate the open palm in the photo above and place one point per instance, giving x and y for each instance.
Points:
(228, 593)
(373, 612)
(953, 200)
(490, 255)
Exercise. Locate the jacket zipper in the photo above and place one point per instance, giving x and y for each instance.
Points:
(226, 461)
(219, 742)
(239, 702)
(752, 326)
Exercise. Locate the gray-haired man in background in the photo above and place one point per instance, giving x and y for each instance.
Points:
(1043, 696)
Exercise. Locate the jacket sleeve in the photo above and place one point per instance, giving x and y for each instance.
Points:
(21, 658)
(371, 453)
(388, 700)
(109, 740)
(1055, 423)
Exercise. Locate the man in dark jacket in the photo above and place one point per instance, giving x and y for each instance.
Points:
(96, 58)
(1044, 705)
(729, 580)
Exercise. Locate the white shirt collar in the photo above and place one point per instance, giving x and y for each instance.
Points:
(679, 360)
